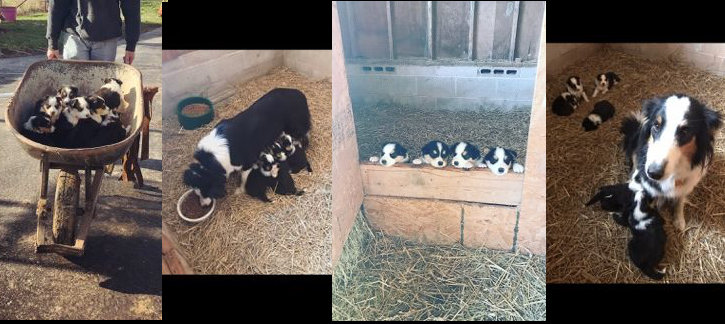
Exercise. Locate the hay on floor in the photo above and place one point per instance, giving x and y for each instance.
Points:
(292, 235)
(414, 127)
(584, 244)
(386, 278)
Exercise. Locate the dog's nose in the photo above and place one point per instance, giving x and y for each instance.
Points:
(656, 170)
(440, 163)
(500, 170)
(384, 161)
(455, 163)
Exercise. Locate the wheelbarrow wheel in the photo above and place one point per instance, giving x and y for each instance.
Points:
(67, 192)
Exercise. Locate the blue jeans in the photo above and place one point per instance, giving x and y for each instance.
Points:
(75, 48)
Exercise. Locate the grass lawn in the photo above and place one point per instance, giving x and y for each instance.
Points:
(27, 35)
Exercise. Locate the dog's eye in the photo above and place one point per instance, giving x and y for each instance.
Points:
(656, 127)
(435, 152)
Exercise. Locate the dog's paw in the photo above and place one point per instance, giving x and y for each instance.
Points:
(481, 165)
(518, 168)
(374, 159)
(417, 161)
(679, 223)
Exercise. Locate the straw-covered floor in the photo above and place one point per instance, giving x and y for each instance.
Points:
(414, 127)
(292, 235)
(385, 278)
(585, 244)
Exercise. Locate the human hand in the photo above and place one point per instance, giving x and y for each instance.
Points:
(53, 54)
(128, 58)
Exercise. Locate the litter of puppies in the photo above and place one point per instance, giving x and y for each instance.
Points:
(70, 120)
(462, 155)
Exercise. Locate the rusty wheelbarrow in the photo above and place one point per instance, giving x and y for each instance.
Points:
(70, 222)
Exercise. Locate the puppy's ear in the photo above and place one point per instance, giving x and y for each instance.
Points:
(473, 152)
(401, 150)
(713, 119)
(191, 178)
(512, 154)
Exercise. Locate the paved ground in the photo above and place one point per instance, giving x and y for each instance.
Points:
(120, 275)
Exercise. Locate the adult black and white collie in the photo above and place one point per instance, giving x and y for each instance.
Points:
(605, 82)
(564, 104)
(235, 143)
(435, 153)
(465, 155)
(670, 144)
(602, 111)
(575, 87)
(392, 153)
(499, 160)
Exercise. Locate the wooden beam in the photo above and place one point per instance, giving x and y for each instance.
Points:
(514, 25)
(471, 26)
(429, 31)
(479, 186)
(532, 217)
(172, 261)
(389, 13)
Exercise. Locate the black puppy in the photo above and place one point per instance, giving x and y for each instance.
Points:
(564, 104)
(283, 183)
(263, 175)
(602, 111)
(647, 246)
(292, 152)
(614, 199)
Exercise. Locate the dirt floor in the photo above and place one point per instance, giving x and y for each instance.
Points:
(244, 235)
(414, 127)
(386, 278)
(584, 244)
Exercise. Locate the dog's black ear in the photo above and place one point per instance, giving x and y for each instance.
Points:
(217, 190)
(190, 178)
(401, 150)
(473, 152)
(511, 153)
(649, 106)
(713, 119)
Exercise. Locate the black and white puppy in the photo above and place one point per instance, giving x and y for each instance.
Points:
(564, 104)
(602, 111)
(67, 93)
(574, 86)
(283, 183)
(647, 245)
(605, 82)
(39, 129)
(292, 152)
(111, 93)
(671, 148)
(500, 160)
(262, 176)
(51, 106)
(615, 199)
(392, 153)
(435, 153)
(235, 143)
(465, 155)
(81, 126)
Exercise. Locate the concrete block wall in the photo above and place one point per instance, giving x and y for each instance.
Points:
(708, 57)
(442, 87)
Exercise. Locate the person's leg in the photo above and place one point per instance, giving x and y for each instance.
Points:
(74, 48)
(105, 50)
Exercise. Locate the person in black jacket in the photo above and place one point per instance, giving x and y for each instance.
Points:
(89, 29)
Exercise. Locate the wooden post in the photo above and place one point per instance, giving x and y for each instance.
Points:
(389, 12)
(472, 28)
(429, 30)
(514, 25)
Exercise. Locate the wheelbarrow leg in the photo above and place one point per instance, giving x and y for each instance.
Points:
(42, 210)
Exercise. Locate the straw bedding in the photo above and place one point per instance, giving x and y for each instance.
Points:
(386, 278)
(584, 244)
(292, 235)
(414, 127)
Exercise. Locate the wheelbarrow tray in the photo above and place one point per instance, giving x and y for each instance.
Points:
(44, 78)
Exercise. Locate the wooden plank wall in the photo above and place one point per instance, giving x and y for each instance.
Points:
(448, 184)
(532, 218)
(346, 180)
(529, 30)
